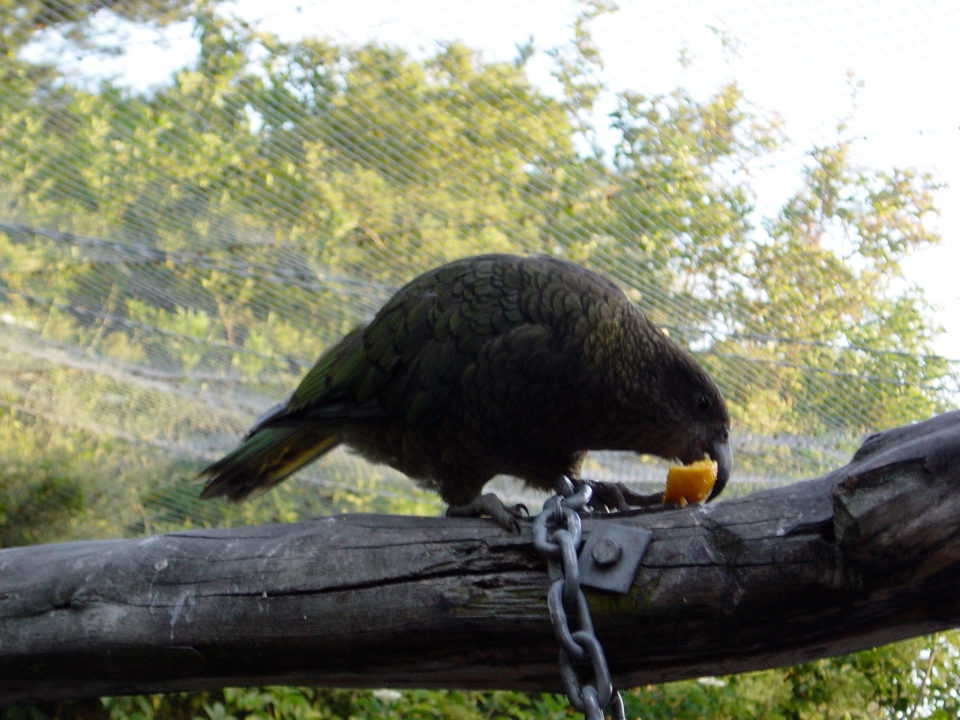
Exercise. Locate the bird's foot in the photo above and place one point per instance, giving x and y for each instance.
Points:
(489, 504)
(617, 496)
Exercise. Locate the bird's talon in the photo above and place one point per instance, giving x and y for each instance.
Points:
(608, 497)
(489, 504)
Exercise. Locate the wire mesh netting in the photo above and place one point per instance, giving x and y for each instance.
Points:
(174, 256)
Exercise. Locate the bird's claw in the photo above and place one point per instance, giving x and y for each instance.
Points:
(617, 496)
(489, 504)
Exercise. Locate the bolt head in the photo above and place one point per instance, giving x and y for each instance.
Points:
(607, 552)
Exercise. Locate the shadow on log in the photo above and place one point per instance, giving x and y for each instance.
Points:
(867, 555)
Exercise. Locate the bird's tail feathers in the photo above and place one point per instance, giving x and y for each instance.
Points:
(266, 458)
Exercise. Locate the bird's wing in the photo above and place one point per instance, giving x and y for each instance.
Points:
(409, 360)
(423, 340)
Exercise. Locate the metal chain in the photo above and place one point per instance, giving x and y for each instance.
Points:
(557, 536)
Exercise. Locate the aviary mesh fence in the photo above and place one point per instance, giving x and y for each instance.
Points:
(175, 255)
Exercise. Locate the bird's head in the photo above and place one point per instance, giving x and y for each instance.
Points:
(698, 422)
(684, 416)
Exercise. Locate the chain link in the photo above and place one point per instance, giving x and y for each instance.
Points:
(557, 535)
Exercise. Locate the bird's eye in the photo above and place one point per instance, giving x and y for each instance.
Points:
(703, 403)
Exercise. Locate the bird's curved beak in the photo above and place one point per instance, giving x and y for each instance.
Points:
(720, 451)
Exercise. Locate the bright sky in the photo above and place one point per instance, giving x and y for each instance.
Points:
(791, 58)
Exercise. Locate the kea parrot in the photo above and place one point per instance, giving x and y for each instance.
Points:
(488, 365)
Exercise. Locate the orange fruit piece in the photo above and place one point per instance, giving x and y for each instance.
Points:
(690, 483)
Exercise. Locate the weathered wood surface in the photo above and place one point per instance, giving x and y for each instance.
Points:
(866, 555)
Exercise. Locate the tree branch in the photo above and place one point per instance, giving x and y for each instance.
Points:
(867, 555)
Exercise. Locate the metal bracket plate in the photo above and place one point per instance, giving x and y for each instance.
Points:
(611, 556)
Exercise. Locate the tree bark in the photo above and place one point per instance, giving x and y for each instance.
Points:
(867, 555)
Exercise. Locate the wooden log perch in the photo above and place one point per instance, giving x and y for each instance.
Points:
(867, 555)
